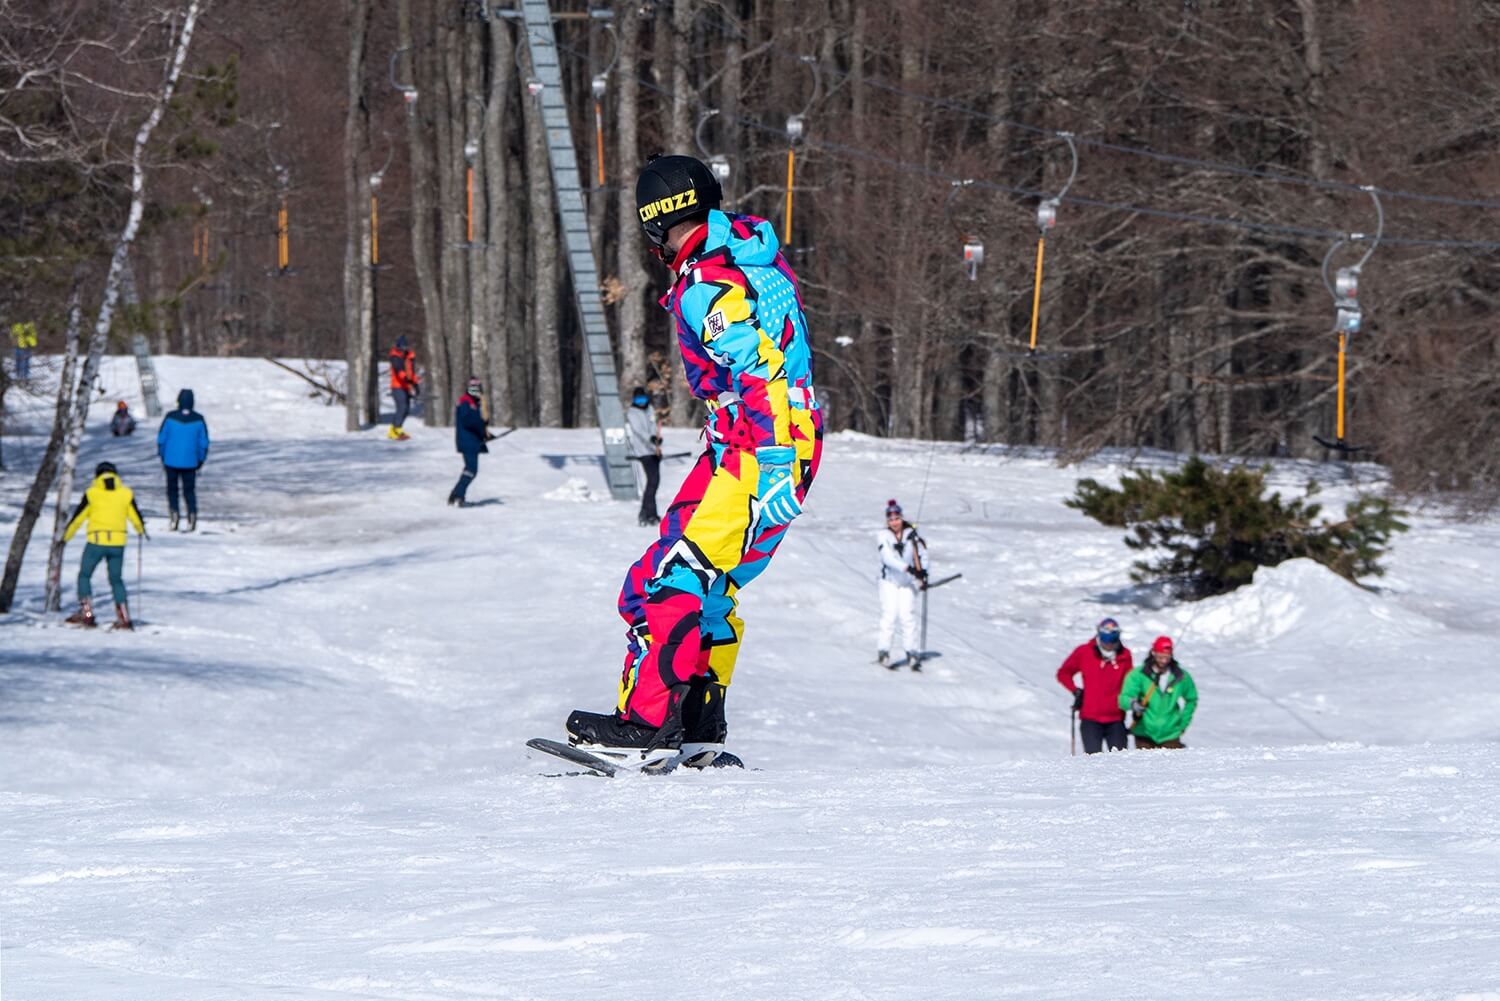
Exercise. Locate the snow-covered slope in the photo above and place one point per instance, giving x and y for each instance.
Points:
(304, 777)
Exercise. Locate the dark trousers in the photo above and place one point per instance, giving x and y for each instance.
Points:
(471, 470)
(402, 399)
(189, 478)
(1095, 735)
(1146, 743)
(651, 466)
(114, 559)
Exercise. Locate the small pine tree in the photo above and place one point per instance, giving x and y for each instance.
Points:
(1212, 528)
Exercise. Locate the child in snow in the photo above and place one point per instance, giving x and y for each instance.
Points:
(1095, 673)
(108, 505)
(902, 575)
(121, 423)
(1163, 698)
(182, 444)
(746, 353)
(643, 435)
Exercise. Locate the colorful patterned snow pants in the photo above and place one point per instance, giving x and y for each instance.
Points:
(679, 598)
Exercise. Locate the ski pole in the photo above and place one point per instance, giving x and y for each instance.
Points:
(1073, 733)
(140, 545)
(945, 580)
(924, 621)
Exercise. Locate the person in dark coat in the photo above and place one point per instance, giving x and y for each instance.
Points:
(182, 444)
(469, 436)
(121, 423)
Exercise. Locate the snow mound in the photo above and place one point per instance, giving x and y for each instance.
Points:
(576, 491)
(1280, 599)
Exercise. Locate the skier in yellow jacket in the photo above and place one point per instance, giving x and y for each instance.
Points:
(107, 506)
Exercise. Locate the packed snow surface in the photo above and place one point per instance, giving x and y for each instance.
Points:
(305, 775)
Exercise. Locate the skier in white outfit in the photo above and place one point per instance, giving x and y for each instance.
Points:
(902, 574)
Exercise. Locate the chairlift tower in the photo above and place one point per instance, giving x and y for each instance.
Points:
(546, 88)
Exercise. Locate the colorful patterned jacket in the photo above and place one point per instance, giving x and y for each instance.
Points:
(742, 331)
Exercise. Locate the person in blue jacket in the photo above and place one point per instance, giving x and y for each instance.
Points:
(469, 435)
(182, 444)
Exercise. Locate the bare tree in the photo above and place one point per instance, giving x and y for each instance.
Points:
(181, 39)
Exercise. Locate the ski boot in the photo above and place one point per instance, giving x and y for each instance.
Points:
(172, 521)
(629, 744)
(914, 659)
(122, 618)
(84, 616)
(456, 501)
(703, 727)
(192, 521)
(883, 658)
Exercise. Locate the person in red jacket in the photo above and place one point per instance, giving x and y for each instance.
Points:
(404, 386)
(1094, 674)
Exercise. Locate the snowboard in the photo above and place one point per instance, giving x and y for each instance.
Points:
(601, 766)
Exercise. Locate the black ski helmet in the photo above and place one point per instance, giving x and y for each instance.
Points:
(105, 467)
(673, 189)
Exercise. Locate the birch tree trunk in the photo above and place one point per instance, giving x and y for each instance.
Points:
(362, 402)
(546, 281)
(630, 264)
(438, 393)
(36, 497)
(680, 140)
(112, 282)
(453, 251)
(499, 286)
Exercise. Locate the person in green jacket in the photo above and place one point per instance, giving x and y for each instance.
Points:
(1162, 696)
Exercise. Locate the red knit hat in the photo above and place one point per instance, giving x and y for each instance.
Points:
(1163, 644)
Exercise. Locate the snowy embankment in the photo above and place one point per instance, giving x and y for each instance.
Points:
(304, 776)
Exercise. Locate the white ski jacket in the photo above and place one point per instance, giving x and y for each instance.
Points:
(900, 554)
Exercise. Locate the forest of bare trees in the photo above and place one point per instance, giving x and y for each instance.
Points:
(1221, 149)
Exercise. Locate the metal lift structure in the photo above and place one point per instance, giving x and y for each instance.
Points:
(547, 89)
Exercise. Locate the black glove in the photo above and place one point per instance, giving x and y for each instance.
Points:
(919, 573)
(1077, 699)
(1136, 707)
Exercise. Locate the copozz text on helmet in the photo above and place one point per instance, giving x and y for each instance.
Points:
(671, 203)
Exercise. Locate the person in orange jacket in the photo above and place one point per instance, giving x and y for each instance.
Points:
(1094, 673)
(405, 386)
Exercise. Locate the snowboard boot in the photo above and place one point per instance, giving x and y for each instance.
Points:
(914, 659)
(192, 521)
(619, 740)
(172, 521)
(122, 617)
(84, 616)
(883, 658)
(703, 726)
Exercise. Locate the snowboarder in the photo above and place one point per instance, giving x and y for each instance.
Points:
(121, 424)
(405, 386)
(1163, 698)
(643, 434)
(902, 575)
(182, 443)
(469, 435)
(746, 353)
(108, 505)
(1094, 673)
